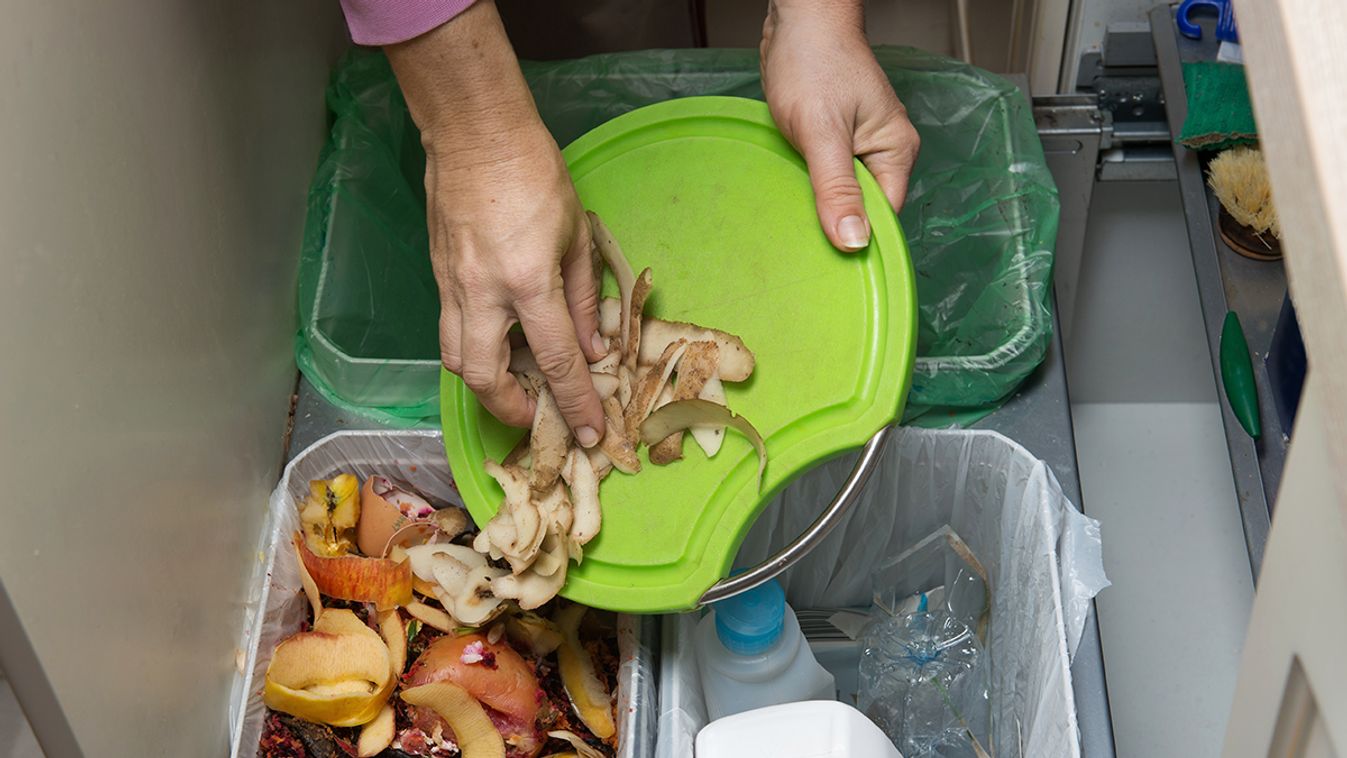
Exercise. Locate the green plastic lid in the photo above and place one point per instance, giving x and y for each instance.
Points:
(708, 194)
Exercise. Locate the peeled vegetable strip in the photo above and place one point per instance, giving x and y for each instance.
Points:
(549, 438)
(736, 360)
(621, 451)
(477, 736)
(711, 437)
(579, 474)
(639, 293)
(592, 702)
(695, 368)
(306, 580)
(582, 748)
(647, 391)
(687, 414)
(612, 255)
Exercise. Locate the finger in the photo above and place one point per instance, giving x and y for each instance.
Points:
(582, 294)
(551, 335)
(837, 195)
(892, 166)
(451, 332)
(486, 362)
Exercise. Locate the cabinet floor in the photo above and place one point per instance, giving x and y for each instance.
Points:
(1154, 470)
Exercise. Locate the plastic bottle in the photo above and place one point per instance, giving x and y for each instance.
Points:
(813, 729)
(751, 654)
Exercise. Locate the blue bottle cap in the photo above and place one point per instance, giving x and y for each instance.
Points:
(751, 622)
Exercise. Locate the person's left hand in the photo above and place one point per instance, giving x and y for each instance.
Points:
(830, 98)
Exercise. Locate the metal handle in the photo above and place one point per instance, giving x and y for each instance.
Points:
(809, 539)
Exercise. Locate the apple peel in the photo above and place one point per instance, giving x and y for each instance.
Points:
(386, 583)
(306, 580)
(477, 737)
(377, 735)
(431, 617)
(338, 673)
(394, 633)
(590, 698)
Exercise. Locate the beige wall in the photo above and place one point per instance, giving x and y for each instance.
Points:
(154, 157)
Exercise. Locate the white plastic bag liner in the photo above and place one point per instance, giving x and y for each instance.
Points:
(277, 605)
(1043, 557)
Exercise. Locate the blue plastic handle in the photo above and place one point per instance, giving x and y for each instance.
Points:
(1225, 19)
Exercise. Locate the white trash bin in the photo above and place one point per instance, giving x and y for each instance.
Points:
(1043, 557)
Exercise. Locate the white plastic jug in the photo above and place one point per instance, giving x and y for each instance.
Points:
(752, 654)
(816, 729)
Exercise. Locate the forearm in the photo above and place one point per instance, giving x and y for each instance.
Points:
(463, 83)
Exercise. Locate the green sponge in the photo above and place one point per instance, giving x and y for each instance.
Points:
(1219, 112)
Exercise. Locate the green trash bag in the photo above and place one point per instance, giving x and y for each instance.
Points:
(981, 220)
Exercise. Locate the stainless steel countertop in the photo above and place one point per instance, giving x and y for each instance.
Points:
(1226, 281)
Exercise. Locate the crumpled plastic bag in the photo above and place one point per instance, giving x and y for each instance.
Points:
(1043, 557)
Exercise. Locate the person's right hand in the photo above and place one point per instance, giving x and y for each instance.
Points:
(509, 240)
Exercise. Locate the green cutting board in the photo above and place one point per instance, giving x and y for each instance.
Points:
(708, 194)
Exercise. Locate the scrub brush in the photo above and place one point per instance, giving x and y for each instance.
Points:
(1248, 219)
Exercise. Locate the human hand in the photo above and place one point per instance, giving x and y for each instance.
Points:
(509, 241)
(830, 98)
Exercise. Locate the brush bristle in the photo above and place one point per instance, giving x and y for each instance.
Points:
(1239, 178)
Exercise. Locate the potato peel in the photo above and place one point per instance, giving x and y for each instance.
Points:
(579, 474)
(617, 262)
(541, 524)
(615, 444)
(686, 414)
(648, 389)
(606, 365)
(697, 365)
(736, 360)
(710, 437)
(605, 384)
(640, 291)
(549, 438)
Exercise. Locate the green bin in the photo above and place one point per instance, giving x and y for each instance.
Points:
(981, 221)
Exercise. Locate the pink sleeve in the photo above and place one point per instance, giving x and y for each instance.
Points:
(386, 22)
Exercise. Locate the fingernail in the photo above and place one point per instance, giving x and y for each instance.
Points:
(587, 436)
(597, 342)
(851, 230)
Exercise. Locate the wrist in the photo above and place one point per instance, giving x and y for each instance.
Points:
(462, 81)
(838, 14)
